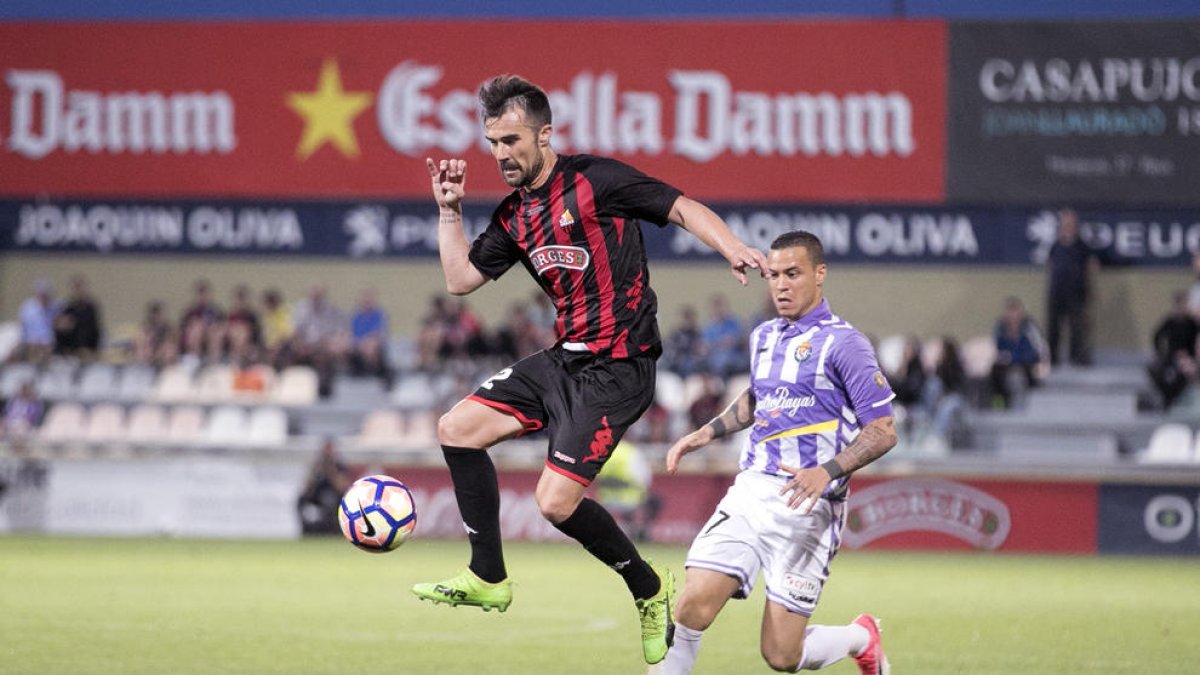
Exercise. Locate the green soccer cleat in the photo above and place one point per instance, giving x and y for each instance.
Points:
(467, 589)
(658, 628)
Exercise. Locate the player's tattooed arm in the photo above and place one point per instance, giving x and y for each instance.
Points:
(734, 418)
(873, 442)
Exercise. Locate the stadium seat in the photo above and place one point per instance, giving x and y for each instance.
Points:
(13, 376)
(1170, 443)
(106, 424)
(931, 353)
(358, 392)
(227, 426)
(64, 422)
(670, 392)
(412, 392)
(57, 381)
(381, 428)
(420, 428)
(734, 388)
(297, 385)
(185, 425)
(98, 382)
(214, 384)
(254, 384)
(174, 384)
(135, 382)
(147, 424)
(267, 427)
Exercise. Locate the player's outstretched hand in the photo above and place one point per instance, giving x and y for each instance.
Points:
(744, 258)
(448, 177)
(806, 487)
(690, 443)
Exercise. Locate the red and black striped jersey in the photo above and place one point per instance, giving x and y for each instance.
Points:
(578, 236)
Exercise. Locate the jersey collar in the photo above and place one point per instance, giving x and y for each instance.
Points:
(818, 314)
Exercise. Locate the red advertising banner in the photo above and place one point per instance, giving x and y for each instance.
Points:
(949, 514)
(781, 111)
(936, 514)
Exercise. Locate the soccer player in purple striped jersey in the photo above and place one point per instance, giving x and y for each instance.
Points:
(572, 222)
(819, 409)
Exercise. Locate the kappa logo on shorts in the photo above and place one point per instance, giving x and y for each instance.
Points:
(563, 458)
(549, 257)
(602, 443)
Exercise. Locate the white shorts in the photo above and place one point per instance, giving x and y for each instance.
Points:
(753, 530)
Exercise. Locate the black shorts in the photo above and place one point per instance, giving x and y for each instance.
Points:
(584, 402)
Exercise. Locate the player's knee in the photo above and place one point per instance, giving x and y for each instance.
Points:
(695, 612)
(452, 430)
(782, 660)
(556, 507)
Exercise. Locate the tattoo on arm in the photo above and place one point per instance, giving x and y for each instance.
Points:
(736, 417)
(873, 442)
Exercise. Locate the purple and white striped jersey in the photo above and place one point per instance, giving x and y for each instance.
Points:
(816, 383)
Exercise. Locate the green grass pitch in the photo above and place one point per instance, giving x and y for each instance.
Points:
(154, 606)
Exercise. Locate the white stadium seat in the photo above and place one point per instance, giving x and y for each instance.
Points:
(1170, 443)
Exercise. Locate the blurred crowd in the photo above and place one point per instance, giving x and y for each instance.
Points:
(703, 349)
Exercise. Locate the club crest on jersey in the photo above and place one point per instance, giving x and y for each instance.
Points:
(803, 352)
(570, 257)
(879, 380)
(566, 219)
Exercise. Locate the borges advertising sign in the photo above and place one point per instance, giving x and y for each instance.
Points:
(781, 111)
(1098, 113)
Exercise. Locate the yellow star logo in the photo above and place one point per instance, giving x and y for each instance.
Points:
(328, 113)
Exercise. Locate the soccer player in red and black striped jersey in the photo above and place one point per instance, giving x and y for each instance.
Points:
(573, 223)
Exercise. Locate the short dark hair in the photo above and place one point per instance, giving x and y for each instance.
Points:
(808, 240)
(511, 91)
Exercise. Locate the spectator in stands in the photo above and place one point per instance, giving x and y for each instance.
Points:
(623, 487)
(322, 338)
(943, 397)
(37, 316)
(243, 330)
(22, 413)
(1174, 363)
(201, 323)
(462, 335)
(908, 382)
(724, 340)
(1019, 346)
(155, 343)
(683, 352)
(433, 326)
(77, 327)
(519, 336)
(707, 404)
(369, 336)
(277, 328)
(1071, 268)
(328, 479)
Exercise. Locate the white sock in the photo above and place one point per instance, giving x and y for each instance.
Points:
(826, 645)
(683, 652)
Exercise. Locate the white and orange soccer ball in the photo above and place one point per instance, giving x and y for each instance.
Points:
(377, 513)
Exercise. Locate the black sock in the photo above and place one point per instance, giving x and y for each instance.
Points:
(478, 494)
(594, 527)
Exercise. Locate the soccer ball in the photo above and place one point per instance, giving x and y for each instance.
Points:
(377, 513)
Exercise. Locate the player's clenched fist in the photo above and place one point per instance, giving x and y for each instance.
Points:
(448, 177)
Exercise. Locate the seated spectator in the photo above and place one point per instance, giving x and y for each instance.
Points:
(201, 324)
(909, 381)
(462, 336)
(683, 352)
(707, 404)
(277, 328)
(22, 414)
(243, 330)
(155, 343)
(429, 339)
(943, 397)
(77, 327)
(1174, 364)
(369, 336)
(322, 338)
(37, 316)
(519, 336)
(724, 341)
(328, 479)
(1019, 346)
